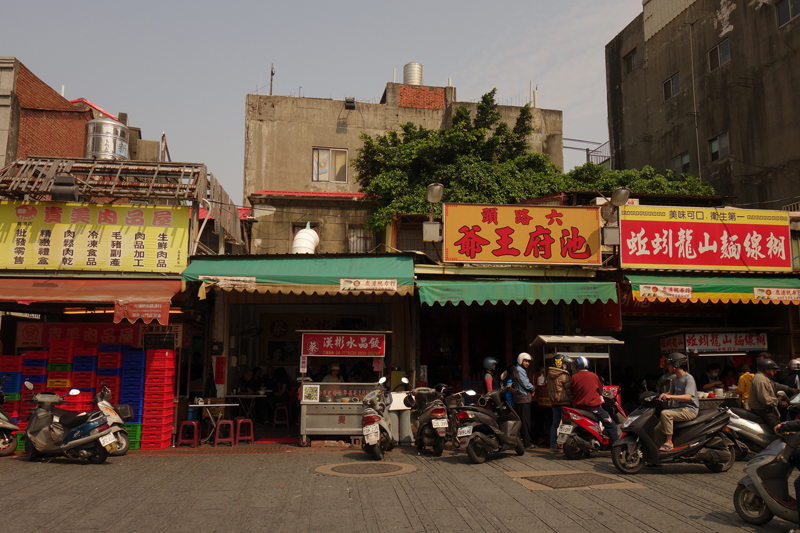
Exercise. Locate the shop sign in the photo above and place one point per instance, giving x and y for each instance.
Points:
(675, 343)
(231, 282)
(344, 344)
(94, 237)
(481, 233)
(764, 293)
(665, 291)
(36, 334)
(219, 370)
(147, 311)
(303, 364)
(347, 285)
(694, 238)
(726, 342)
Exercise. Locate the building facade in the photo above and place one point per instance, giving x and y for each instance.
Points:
(708, 87)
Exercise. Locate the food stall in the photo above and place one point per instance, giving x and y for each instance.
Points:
(335, 408)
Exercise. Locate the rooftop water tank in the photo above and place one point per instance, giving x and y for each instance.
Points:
(305, 241)
(412, 74)
(106, 139)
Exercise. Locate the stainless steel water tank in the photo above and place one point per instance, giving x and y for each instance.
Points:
(106, 139)
(412, 74)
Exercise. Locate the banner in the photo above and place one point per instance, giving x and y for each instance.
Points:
(480, 233)
(694, 238)
(344, 344)
(93, 237)
(38, 334)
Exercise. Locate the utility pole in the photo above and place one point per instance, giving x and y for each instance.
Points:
(271, 75)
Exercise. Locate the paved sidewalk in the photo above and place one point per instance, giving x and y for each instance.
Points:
(277, 488)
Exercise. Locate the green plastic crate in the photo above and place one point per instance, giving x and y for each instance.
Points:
(20, 441)
(12, 396)
(59, 367)
(134, 432)
(135, 445)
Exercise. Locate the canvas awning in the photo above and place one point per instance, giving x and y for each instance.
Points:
(306, 274)
(132, 298)
(507, 291)
(750, 289)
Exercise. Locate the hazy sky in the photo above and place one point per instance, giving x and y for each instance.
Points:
(185, 67)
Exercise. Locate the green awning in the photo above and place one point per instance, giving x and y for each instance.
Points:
(490, 291)
(306, 274)
(749, 289)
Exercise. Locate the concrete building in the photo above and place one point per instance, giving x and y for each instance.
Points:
(298, 151)
(709, 87)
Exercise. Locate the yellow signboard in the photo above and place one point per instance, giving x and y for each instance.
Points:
(481, 233)
(107, 237)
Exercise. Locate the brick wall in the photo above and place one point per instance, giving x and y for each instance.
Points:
(421, 97)
(51, 133)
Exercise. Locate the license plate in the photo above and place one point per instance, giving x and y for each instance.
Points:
(372, 428)
(105, 440)
(465, 431)
(565, 429)
(372, 438)
(439, 423)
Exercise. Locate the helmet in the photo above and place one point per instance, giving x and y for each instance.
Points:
(489, 362)
(566, 360)
(582, 363)
(767, 364)
(523, 357)
(794, 365)
(677, 359)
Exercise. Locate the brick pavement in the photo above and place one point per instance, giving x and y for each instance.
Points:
(276, 488)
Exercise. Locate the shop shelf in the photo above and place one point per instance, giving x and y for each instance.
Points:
(34, 362)
(33, 378)
(58, 383)
(61, 358)
(111, 372)
(59, 375)
(10, 363)
(59, 367)
(35, 370)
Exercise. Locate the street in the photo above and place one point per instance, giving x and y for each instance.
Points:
(278, 488)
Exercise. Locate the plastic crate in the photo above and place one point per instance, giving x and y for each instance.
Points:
(13, 382)
(20, 441)
(112, 372)
(156, 443)
(165, 396)
(109, 360)
(34, 378)
(59, 375)
(36, 354)
(111, 382)
(85, 376)
(114, 348)
(13, 396)
(160, 353)
(58, 383)
(135, 445)
(83, 352)
(134, 431)
(83, 397)
(34, 362)
(12, 406)
(60, 358)
(133, 357)
(35, 370)
(10, 363)
(59, 367)
(65, 344)
(84, 364)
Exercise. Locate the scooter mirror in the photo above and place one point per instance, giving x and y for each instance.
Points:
(28, 385)
(470, 393)
(74, 392)
(382, 380)
(644, 384)
(404, 380)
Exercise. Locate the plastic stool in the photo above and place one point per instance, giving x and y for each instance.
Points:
(231, 438)
(282, 409)
(243, 423)
(194, 440)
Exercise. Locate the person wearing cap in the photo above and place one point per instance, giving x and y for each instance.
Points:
(334, 376)
(560, 392)
(763, 400)
(522, 396)
(683, 398)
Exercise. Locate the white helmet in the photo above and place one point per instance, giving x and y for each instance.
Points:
(523, 357)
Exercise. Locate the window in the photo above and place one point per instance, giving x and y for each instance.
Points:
(719, 55)
(359, 240)
(329, 165)
(787, 10)
(680, 163)
(672, 87)
(630, 62)
(719, 147)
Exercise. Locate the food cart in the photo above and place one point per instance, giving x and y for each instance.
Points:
(335, 408)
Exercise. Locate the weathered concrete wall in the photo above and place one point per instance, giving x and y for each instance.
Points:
(753, 97)
(9, 110)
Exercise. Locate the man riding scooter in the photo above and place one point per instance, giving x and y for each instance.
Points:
(587, 394)
(683, 396)
(763, 401)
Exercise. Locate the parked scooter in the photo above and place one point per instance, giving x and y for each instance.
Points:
(490, 427)
(76, 435)
(375, 424)
(8, 442)
(749, 432)
(581, 432)
(454, 403)
(429, 422)
(701, 440)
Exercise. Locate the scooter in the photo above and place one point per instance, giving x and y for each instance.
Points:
(8, 442)
(375, 425)
(749, 432)
(453, 403)
(702, 440)
(76, 435)
(581, 432)
(490, 427)
(429, 423)
(117, 415)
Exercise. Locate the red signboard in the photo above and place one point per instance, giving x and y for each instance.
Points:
(693, 238)
(219, 370)
(147, 311)
(344, 344)
(35, 334)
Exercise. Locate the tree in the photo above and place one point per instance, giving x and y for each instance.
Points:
(481, 160)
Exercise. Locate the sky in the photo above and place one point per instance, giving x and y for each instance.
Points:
(185, 67)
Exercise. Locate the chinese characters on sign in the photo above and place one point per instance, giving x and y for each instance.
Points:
(36, 334)
(345, 344)
(693, 238)
(479, 233)
(675, 343)
(763, 293)
(347, 285)
(72, 236)
(665, 291)
(715, 342)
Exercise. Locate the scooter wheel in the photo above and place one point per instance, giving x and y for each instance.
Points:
(8, 443)
(723, 467)
(438, 448)
(519, 449)
(572, 451)
(123, 442)
(627, 458)
(377, 452)
(100, 456)
(476, 453)
(750, 507)
(30, 451)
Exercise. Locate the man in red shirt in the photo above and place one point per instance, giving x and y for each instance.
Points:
(587, 394)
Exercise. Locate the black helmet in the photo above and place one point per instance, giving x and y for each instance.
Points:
(489, 362)
(677, 359)
(767, 364)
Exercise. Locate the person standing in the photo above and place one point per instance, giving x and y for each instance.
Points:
(743, 387)
(560, 392)
(522, 398)
(763, 400)
(587, 394)
(490, 382)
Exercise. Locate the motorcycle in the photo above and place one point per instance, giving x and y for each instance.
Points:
(429, 421)
(490, 427)
(116, 415)
(8, 442)
(375, 423)
(453, 403)
(75, 435)
(702, 440)
(581, 432)
(749, 432)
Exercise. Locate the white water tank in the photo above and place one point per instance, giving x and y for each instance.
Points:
(412, 74)
(106, 139)
(305, 241)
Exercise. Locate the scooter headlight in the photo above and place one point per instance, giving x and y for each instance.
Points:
(629, 421)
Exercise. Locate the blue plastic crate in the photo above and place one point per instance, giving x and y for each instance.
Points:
(33, 379)
(108, 372)
(133, 359)
(13, 382)
(114, 348)
(131, 397)
(34, 362)
(88, 390)
(84, 360)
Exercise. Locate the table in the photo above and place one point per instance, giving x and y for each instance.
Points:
(248, 407)
(207, 407)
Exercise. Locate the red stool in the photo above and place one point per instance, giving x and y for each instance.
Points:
(283, 410)
(231, 438)
(194, 440)
(246, 424)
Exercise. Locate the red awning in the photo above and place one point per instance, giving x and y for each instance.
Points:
(132, 298)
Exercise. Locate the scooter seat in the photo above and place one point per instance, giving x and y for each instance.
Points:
(73, 420)
(747, 415)
(587, 414)
(702, 417)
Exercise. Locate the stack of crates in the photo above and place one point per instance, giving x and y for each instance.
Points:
(131, 389)
(11, 366)
(109, 371)
(158, 400)
(84, 370)
(34, 369)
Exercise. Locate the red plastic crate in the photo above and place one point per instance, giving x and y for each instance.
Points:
(156, 430)
(112, 382)
(35, 370)
(84, 380)
(86, 351)
(11, 363)
(35, 354)
(61, 391)
(22, 425)
(12, 406)
(58, 357)
(155, 396)
(157, 443)
(59, 375)
(160, 353)
(109, 360)
(84, 397)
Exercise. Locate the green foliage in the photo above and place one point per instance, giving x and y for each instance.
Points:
(481, 160)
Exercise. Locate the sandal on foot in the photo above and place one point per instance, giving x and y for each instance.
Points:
(665, 448)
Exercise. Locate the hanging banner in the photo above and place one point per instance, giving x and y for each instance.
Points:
(520, 234)
(344, 344)
(93, 237)
(36, 334)
(694, 238)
